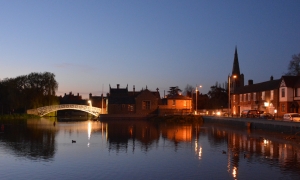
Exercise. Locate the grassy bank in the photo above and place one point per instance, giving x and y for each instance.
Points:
(18, 116)
(176, 118)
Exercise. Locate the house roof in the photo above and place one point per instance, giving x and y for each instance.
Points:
(291, 81)
(123, 96)
(179, 97)
(263, 86)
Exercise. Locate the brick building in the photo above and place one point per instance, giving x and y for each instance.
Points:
(277, 97)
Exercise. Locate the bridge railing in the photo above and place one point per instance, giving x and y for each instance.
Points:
(41, 111)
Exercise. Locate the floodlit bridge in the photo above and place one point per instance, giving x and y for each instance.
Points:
(41, 111)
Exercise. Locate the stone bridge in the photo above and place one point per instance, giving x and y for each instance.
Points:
(41, 111)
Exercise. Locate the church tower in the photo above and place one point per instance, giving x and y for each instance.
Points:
(236, 78)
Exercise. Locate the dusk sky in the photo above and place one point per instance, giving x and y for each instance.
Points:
(91, 44)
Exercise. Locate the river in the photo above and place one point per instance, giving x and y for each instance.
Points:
(86, 149)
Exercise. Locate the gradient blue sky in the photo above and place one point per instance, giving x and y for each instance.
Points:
(91, 44)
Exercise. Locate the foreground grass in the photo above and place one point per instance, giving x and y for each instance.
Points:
(176, 118)
(18, 116)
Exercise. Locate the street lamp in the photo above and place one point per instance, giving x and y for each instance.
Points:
(90, 102)
(197, 99)
(229, 101)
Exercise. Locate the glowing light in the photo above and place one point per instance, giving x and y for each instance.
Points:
(89, 129)
(266, 104)
(200, 152)
(218, 113)
(266, 142)
(234, 172)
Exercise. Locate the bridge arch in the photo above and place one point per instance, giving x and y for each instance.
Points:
(41, 111)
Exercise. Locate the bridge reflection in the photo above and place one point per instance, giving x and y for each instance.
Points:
(37, 139)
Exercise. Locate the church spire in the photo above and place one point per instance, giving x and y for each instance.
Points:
(236, 66)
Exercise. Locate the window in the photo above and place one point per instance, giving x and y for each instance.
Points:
(241, 98)
(130, 107)
(297, 92)
(184, 103)
(282, 92)
(146, 105)
(263, 95)
(249, 97)
(254, 96)
(233, 98)
(272, 95)
(174, 102)
(245, 97)
(283, 108)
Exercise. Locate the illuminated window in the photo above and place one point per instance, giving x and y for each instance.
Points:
(174, 102)
(241, 98)
(249, 96)
(245, 97)
(254, 96)
(272, 95)
(233, 98)
(146, 105)
(184, 103)
(263, 95)
(130, 107)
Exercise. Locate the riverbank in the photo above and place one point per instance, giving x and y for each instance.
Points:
(176, 118)
(152, 118)
(256, 124)
(18, 116)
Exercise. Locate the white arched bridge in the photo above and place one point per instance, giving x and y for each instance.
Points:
(41, 111)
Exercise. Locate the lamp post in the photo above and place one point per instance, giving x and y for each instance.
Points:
(229, 100)
(197, 98)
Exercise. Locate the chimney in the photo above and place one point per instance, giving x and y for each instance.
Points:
(90, 95)
(271, 78)
(250, 82)
(133, 88)
(118, 86)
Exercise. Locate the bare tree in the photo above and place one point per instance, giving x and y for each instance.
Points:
(294, 66)
(188, 90)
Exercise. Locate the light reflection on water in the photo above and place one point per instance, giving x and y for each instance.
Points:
(43, 149)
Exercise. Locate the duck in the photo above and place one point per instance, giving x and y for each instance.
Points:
(73, 141)
(223, 152)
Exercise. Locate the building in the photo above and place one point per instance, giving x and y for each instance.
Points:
(177, 104)
(277, 96)
(289, 95)
(72, 99)
(145, 102)
(99, 102)
(122, 101)
(261, 96)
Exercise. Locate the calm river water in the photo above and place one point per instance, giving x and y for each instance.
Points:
(42, 149)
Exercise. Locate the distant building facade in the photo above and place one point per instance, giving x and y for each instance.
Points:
(277, 96)
(144, 102)
(72, 99)
(99, 102)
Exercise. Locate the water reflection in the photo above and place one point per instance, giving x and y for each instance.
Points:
(257, 147)
(240, 149)
(34, 139)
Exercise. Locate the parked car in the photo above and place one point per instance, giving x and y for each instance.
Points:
(291, 117)
(266, 116)
(221, 113)
(251, 113)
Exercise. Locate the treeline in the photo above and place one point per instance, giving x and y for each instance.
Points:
(216, 98)
(27, 92)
